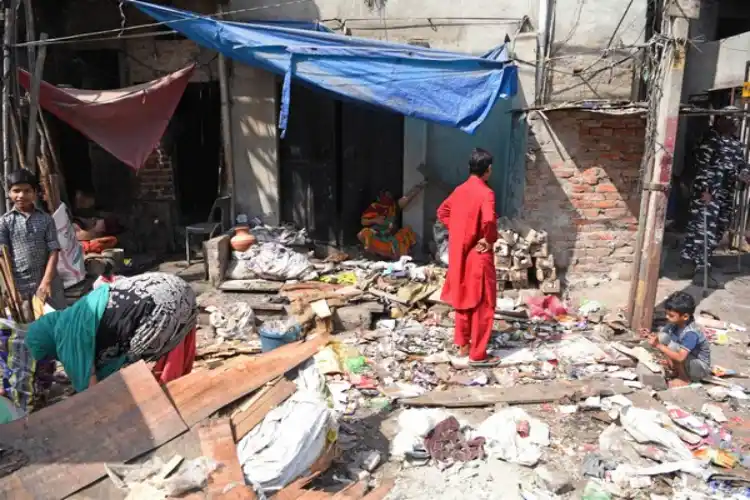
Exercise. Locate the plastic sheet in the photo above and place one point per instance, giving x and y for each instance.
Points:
(271, 261)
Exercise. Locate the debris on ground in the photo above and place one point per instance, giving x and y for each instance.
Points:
(336, 377)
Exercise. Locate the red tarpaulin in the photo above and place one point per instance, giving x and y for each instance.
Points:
(129, 122)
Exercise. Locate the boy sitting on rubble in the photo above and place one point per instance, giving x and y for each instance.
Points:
(682, 342)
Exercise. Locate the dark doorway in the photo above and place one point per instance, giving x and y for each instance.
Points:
(308, 163)
(195, 130)
(334, 160)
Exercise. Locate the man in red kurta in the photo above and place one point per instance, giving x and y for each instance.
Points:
(470, 286)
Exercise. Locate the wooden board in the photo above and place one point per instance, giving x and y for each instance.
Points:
(244, 421)
(528, 394)
(198, 395)
(381, 491)
(217, 442)
(352, 492)
(68, 443)
(251, 286)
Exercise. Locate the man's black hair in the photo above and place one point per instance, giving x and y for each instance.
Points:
(680, 302)
(480, 161)
(23, 176)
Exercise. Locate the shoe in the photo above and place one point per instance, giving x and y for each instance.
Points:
(488, 362)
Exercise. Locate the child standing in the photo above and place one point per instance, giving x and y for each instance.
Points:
(682, 341)
(31, 238)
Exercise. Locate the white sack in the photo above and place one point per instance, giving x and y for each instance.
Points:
(504, 442)
(270, 261)
(70, 266)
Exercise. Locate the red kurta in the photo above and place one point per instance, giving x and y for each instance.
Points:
(470, 286)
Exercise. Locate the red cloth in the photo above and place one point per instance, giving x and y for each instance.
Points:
(178, 362)
(129, 122)
(98, 245)
(474, 326)
(469, 215)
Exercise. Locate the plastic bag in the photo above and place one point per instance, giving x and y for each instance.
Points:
(271, 261)
(234, 322)
(288, 441)
(8, 411)
(506, 443)
(646, 426)
(70, 265)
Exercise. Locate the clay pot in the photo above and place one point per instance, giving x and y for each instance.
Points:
(242, 239)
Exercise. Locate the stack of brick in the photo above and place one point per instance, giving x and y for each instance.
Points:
(521, 251)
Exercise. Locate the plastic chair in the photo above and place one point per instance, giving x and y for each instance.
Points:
(221, 204)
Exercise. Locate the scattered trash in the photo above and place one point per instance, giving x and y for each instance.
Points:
(233, 322)
(503, 441)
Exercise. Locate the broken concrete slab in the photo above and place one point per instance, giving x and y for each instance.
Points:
(352, 318)
(553, 479)
(529, 394)
(647, 377)
(217, 253)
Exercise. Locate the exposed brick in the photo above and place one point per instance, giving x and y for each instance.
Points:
(585, 198)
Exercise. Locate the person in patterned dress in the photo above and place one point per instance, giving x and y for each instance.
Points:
(151, 317)
(720, 164)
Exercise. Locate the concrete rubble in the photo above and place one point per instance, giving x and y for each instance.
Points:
(375, 404)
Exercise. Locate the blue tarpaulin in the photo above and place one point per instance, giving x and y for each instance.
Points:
(448, 88)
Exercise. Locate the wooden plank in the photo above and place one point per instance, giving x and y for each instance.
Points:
(199, 394)
(244, 421)
(352, 492)
(68, 444)
(217, 442)
(381, 491)
(293, 491)
(314, 495)
(530, 394)
(250, 286)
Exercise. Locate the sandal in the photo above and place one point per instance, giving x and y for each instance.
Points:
(488, 362)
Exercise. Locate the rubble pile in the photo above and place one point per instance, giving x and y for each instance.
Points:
(521, 252)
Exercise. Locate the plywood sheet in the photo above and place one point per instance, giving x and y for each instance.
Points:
(381, 491)
(68, 443)
(245, 420)
(198, 395)
(217, 442)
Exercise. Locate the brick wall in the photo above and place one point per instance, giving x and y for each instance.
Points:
(155, 179)
(582, 188)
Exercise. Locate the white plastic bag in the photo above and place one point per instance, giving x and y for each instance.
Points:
(288, 441)
(414, 425)
(70, 266)
(233, 322)
(270, 261)
(504, 442)
(647, 426)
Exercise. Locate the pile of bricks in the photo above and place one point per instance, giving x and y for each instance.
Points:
(522, 253)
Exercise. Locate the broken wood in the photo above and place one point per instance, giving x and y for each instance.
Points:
(354, 491)
(217, 442)
(641, 354)
(381, 491)
(530, 394)
(114, 421)
(199, 394)
(245, 420)
(36, 82)
(263, 286)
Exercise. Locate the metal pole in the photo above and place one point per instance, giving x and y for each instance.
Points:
(7, 160)
(36, 83)
(661, 176)
(226, 131)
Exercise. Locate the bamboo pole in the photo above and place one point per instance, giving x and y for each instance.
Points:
(36, 83)
(7, 155)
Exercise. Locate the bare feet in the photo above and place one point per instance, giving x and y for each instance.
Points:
(463, 351)
(678, 383)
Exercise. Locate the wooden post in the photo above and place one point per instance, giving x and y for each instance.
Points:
(36, 82)
(656, 188)
(226, 130)
(28, 11)
(7, 155)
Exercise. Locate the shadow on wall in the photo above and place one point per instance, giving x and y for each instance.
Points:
(254, 117)
(582, 188)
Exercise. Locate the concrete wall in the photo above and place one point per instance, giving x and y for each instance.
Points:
(581, 30)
